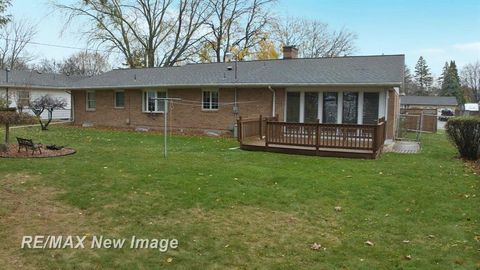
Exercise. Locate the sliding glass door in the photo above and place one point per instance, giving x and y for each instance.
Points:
(311, 107)
(370, 107)
(293, 107)
(330, 106)
(350, 108)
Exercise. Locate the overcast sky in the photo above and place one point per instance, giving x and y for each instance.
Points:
(439, 30)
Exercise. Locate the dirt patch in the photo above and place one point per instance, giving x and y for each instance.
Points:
(12, 152)
(30, 208)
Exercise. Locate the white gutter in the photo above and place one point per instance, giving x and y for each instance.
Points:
(225, 85)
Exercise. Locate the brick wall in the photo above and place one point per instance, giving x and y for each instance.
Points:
(393, 112)
(185, 116)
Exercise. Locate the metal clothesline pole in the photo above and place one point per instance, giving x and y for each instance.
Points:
(165, 119)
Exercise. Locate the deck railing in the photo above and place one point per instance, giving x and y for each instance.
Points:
(253, 127)
(369, 137)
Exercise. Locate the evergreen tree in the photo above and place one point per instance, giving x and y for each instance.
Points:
(409, 87)
(451, 82)
(444, 75)
(423, 77)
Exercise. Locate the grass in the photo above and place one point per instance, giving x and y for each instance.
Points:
(232, 209)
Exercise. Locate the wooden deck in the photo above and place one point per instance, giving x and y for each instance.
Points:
(255, 144)
(315, 139)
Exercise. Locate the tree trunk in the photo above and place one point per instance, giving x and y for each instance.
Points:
(3, 147)
(7, 133)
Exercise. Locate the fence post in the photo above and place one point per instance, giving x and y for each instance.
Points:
(260, 126)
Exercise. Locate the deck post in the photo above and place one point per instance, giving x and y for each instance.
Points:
(267, 132)
(239, 129)
(374, 139)
(317, 139)
(260, 126)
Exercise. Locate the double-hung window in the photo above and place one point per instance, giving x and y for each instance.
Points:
(91, 103)
(152, 101)
(210, 100)
(119, 99)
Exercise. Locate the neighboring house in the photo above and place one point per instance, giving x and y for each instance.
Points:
(27, 85)
(211, 97)
(428, 102)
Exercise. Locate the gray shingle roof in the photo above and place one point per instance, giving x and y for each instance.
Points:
(387, 70)
(355, 70)
(427, 100)
(31, 78)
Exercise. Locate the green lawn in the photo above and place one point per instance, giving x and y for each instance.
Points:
(232, 209)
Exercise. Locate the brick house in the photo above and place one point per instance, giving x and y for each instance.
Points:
(212, 96)
(343, 90)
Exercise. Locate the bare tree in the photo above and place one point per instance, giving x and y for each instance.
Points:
(236, 26)
(13, 40)
(314, 38)
(85, 63)
(47, 66)
(49, 104)
(147, 32)
(470, 76)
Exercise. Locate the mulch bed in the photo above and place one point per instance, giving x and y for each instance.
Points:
(46, 153)
(474, 165)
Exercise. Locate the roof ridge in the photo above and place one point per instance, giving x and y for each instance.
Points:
(259, 61)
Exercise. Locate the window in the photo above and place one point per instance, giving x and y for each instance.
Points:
(293, 107)
(350, 108)
(119, 99)
(23, 98)
(311, 108)
(370, 108)
(91, 101)
(152, 103)
(210, 100)
(330, 104)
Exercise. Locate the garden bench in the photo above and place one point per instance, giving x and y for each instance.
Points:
(28, 144)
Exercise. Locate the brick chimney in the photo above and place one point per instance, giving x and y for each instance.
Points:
(290, 52)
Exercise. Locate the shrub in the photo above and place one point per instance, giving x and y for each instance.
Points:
(464, 133)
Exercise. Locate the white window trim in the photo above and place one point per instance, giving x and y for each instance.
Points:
(382, 103)
(88, 109)
(115, 99)
(218, 97)
(143, 99)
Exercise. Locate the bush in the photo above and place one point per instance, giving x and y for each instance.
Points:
(464, 133)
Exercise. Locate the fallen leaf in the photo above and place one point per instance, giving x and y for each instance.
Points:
(406, 241)
(170, 259)
(369, 243)
(315, 246)
(408, 257)
(338, 208)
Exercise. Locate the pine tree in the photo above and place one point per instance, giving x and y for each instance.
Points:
(444, 75)
(451, 83)
(409, 87)
(423, 77)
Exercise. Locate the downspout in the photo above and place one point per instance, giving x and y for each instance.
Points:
(274, 100)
